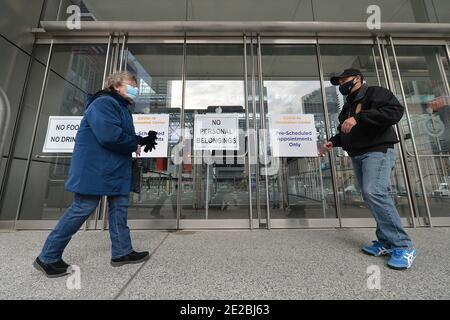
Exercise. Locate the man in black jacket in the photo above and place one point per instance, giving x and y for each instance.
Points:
(366, 132)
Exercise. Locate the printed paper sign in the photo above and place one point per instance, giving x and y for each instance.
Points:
(293, 135)
(143, 123)
(216, 132)
(61, 132)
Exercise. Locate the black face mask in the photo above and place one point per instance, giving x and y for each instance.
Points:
(347, 87)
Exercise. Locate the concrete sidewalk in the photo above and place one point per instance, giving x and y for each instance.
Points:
(259, 264)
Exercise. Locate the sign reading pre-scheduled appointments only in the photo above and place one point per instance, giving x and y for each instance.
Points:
(293, 135)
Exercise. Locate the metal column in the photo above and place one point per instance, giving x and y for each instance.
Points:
(262, 113)
(390, 85)
(419, 169)
(182, 137)
(328, 130)
(247, 128)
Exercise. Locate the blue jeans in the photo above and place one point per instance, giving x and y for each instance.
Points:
(373, 171)
(74, 217)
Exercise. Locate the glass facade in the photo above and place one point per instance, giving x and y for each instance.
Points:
(16, 45)
(250, 78)
(75, 71)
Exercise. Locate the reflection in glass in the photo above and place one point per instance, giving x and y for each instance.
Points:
(13, 70)
(424, 72)
(425, 11)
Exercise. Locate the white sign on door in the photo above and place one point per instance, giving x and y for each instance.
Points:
(61, 132)
(293, 135)
(216, 132)
(143, 123)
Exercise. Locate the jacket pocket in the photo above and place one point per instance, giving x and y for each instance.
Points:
(111, 164)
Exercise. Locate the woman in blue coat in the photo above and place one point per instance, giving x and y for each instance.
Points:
(101, 166)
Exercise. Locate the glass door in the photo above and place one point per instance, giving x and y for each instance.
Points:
(420, 79)
(353, 209)
(300, 184)
(214, 191)
(206, 177)
(158, 68)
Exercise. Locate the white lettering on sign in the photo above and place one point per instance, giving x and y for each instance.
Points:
(143, 123)
(293, 135)
(61, 132)
(216, 132)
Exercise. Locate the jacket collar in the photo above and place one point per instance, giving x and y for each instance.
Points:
(358, 95)
(121, 100)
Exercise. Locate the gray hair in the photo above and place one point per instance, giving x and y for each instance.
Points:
(116, 79)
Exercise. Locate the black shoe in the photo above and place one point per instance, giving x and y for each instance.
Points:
(52, 270)
(131, 258)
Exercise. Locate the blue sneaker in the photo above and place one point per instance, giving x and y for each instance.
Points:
(376, 249)
(402, 259)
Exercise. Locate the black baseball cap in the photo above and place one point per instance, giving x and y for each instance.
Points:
(346, 73)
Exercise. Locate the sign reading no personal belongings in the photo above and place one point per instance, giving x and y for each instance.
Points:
(293, 135)
(216, 132)
(61, 132)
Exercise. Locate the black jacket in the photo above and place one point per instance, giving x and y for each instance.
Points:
(378, 112)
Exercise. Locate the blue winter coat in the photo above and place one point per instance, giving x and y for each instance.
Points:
(105, 141)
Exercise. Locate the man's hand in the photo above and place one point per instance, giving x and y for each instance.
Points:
(327, 146)
(348, 125)
(138, 151)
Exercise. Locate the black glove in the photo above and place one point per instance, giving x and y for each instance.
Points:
(150, 141)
